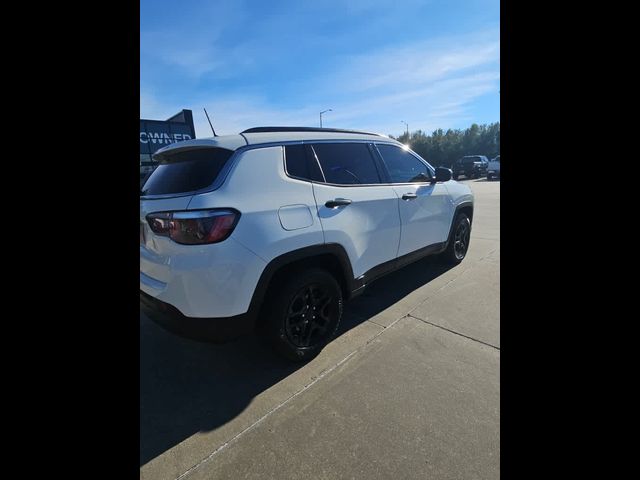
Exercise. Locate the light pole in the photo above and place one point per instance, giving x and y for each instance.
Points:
(324, 111)
(402, 121)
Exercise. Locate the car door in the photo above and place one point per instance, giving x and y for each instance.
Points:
(354, 209)
(425, 208)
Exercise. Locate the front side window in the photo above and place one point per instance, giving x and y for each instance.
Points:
(347, 163)
(402, 166)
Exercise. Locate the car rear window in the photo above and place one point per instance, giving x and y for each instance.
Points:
(186, 171)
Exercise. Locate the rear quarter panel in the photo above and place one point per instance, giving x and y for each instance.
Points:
(277, 212)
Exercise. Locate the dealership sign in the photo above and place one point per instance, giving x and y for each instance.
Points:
(163, 138)
(155, 134)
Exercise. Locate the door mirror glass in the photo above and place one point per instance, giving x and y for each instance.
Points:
(443, 174)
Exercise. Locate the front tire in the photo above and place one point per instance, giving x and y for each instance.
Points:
(304, 315)
(459, 241)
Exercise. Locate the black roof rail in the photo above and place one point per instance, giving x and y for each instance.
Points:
(305, 129)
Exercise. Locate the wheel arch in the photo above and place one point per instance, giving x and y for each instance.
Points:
(463, 207)
(330, 256)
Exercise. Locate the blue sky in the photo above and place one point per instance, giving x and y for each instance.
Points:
(430, 63)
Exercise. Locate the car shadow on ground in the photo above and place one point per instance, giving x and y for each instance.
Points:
(188, 386)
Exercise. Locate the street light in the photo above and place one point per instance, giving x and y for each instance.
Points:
(324, 111)
(402, 121)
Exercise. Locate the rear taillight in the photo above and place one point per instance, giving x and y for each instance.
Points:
(195, 227)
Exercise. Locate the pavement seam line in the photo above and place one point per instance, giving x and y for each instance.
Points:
(375, 323)
(287, 400)
(450, 281)
(453, 331)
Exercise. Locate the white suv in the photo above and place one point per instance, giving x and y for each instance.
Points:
(276, 226)
(494, 168)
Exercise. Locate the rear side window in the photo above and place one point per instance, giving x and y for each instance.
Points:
(402, 166)
(300, 164)
(347, 163)
(186, 170)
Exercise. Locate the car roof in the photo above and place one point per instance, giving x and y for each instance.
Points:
(233, 142)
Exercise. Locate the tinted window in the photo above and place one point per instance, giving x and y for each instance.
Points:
(186, 170)
(300, 165)
(402, 166)
(347, 163)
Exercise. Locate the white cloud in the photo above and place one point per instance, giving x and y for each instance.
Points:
(196, 50)
(429, 85)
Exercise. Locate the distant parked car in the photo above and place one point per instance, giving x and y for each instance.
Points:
(471, 166)
(494, 168)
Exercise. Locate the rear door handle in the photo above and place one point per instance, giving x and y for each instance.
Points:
(409, 196)
(338, 202)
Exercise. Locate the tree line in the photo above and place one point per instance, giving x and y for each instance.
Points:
(442, 148)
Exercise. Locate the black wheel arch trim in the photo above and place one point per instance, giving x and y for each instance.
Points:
(460, 206)
(275, 265)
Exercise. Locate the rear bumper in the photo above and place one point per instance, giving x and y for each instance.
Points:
(203, 329)
(208, 281)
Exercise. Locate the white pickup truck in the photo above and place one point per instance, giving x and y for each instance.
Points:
(493, 169)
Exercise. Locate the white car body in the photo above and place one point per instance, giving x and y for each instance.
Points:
(493, 170)
(280, 217)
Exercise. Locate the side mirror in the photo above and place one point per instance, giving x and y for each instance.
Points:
(443, 174)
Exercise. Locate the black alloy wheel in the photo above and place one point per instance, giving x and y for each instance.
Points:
(304, 313)
(308, 316)
(458, 244)
(461, 239)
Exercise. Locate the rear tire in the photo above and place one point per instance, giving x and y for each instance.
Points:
(489, 177)
(304, 314)
(459, 242)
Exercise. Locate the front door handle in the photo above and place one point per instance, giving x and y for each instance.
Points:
(409, 196)
(338, 202)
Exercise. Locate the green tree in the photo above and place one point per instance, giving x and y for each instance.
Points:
(443, 148)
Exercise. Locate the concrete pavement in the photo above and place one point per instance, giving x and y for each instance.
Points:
(409, 388)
